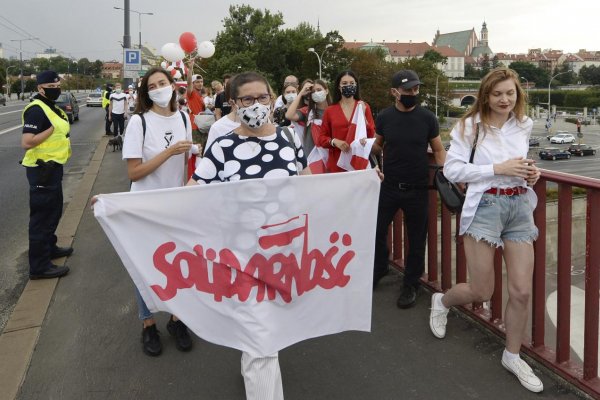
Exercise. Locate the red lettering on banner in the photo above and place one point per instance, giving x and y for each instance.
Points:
(271, 276)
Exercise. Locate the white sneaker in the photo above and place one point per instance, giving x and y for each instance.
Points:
(526, 376)
(437, 318)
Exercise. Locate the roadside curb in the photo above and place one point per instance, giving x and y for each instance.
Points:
(20, 336)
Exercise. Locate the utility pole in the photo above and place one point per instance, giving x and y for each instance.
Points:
(21, 61)
(126, 38)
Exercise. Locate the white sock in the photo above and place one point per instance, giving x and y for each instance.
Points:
(508, 356)
(439, 304)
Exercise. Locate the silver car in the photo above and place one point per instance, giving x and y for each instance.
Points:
(563, 138)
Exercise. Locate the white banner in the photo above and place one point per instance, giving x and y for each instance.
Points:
(255, 265)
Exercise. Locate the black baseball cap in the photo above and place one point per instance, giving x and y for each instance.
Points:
(406, 79)
(47, 77)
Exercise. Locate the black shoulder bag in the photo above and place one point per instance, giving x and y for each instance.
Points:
(450, 193)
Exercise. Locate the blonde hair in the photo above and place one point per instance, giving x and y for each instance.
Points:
(481, 104)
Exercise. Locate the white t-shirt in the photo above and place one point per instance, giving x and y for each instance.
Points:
(131, 98)
(220, 128)
(161, 133)
(278, 103)
(118, 101)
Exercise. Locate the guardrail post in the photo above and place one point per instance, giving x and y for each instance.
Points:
(563, 336)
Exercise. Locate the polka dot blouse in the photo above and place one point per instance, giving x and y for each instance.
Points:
(234, 157)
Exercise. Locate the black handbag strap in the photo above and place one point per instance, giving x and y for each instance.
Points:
(474, 144)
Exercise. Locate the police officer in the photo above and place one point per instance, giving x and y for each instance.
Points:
(47, 144)
(105, 104)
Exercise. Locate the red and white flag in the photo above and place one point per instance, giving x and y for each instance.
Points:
(358, 156)
(266, 264)
(318, 157)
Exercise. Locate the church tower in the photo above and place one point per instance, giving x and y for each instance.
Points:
(484, 35)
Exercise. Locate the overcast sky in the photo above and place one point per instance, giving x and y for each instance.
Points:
(93, 29)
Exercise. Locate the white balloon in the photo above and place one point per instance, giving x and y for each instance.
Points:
(163, 64)
(172, 52)
(179, 53)
(206, 49)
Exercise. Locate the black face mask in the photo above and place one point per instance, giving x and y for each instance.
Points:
(51, 93)
(348, 90)
(408, 101)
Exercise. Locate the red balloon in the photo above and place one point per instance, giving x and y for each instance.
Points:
(188, 42)
(173, 72)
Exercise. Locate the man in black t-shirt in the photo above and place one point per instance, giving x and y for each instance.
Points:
(222, 106)
(404, 131)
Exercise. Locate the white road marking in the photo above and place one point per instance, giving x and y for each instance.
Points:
(11, 112)
(10, 129)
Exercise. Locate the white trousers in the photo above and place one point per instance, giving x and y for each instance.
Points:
(262, 377)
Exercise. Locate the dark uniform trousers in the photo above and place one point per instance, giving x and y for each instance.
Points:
(45, 210)
(414, 203)
(107, 122)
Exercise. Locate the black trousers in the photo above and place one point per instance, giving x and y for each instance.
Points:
(107, 123)
(414, 203)
(45, 210)
(118, 121)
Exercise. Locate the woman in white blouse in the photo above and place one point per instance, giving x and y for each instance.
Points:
(498, 210)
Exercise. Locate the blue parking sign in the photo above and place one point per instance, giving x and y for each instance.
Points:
(132, 59)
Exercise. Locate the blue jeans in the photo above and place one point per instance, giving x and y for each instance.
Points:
(143, 312)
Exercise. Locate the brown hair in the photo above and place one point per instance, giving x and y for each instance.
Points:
(242, 79)
(144, 104)
(488, 82)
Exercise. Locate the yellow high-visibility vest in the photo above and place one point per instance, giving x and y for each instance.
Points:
(105, 101)
(57, 147)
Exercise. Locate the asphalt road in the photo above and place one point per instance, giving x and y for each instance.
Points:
(14, 196)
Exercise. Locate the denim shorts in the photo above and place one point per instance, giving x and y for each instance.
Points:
(500, 217)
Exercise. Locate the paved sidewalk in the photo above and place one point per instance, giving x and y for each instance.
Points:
(89, 344)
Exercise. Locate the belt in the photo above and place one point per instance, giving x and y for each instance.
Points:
(513, 191)
(412, 186)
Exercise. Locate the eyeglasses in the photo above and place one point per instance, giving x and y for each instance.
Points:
(247, 101)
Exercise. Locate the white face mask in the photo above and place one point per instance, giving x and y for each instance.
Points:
(162, 96)
(290, 97)
(319, 97)
(254, 116)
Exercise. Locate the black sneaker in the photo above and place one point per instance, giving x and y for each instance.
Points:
(151, 341)
(378, 275)
(53, 272)
(183, 341)
(61, 252)
(408, 297)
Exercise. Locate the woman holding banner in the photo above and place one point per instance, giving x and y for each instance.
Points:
(256, 149)
(336, 127)
(153, 165)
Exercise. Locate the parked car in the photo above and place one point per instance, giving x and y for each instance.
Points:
(554, 153)
(534, 142)
(94, 100)
(69, 104)
(562, 138)
(581, 150)
(2, 99)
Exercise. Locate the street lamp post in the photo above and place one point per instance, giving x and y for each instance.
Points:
(21, 61)
(7, 80)
(527, 90)
(312, 50)
(436, 95)
(139, 13)
(549, 86)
